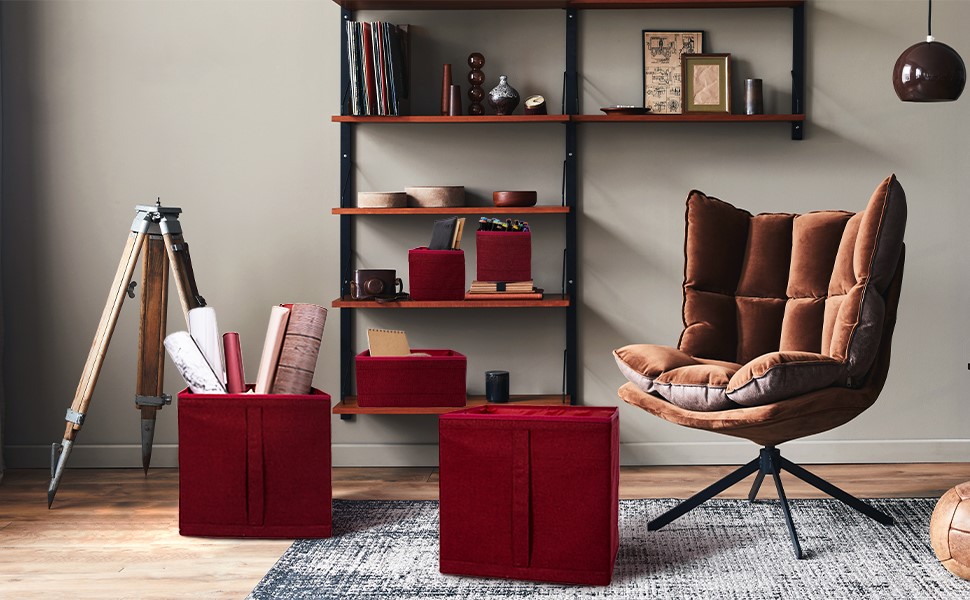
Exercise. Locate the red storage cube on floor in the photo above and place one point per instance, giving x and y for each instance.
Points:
(530, 492)
(436, 274)
(504, 255)
(254, 465)
(436, 380)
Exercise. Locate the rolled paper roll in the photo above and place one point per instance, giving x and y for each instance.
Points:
(301, 346)
(235, 374)
(192, 364)
(205, 332)
(278, 317)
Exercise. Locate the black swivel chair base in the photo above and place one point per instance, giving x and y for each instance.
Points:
(769, 462)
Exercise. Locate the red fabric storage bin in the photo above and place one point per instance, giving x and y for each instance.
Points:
(436, 380)
(254, 465)
(504, 255)
(436, 274)
(530, 492)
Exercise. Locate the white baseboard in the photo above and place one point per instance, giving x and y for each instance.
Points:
(631, 454)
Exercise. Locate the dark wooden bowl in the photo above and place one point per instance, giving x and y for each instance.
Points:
(519, 198)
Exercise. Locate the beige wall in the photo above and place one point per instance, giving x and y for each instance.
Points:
(223, 108)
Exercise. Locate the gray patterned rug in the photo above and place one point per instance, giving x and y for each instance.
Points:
(724, 549)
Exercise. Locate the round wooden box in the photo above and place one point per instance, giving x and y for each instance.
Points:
(382, 200)
(446, 196)
(519, 198)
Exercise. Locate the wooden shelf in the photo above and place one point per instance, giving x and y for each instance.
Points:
(590, 118)
(539, 4)
(456, 119)
(348, 406)
(461, 210)
(689, 118)
(595, 4)
(548, 301)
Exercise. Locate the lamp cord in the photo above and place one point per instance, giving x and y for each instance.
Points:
(929, 20)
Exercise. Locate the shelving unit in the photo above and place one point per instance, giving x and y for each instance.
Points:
(570, 120)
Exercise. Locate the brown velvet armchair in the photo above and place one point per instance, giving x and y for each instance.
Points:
(788, 323)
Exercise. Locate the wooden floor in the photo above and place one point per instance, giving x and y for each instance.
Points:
(113, 533)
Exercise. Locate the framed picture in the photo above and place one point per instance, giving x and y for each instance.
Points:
(662, 67)
(707, 83)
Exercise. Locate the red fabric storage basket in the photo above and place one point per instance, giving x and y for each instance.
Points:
(436, 274)
(530, 492)
(436, 380)
(504, 255)
(254, 465)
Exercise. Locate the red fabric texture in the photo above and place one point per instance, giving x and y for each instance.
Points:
(436, 274)
(528, 495)
(436, 380)
(504, 255)
(254, 465)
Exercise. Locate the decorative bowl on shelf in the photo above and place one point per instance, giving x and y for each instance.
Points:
(514, 198)
(382, 199)
(435, 196)
(620, 109)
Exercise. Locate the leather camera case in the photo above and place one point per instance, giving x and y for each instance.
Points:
(375, 283)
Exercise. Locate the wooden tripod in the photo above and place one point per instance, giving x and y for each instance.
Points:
(156, 235)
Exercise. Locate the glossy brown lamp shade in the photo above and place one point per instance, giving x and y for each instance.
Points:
(929, 71)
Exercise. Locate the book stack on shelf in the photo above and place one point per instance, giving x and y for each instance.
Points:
(378, 60)
(503, 290)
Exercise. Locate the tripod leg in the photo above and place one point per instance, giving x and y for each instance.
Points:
(178, 256)
(151, 334)
(92, 367)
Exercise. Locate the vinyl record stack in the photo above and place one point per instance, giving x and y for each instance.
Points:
(378, 56)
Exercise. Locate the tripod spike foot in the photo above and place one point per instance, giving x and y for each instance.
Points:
(147, 437)
(57, 470)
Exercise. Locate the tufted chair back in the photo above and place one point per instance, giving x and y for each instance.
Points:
(814, 283)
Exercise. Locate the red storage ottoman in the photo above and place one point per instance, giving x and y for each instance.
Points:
(530, 492)
(504, 255)
(436, 380)
(254, 465)
(436, 274)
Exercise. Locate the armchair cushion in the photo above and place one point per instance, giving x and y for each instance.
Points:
(692, 383)
(779, 375)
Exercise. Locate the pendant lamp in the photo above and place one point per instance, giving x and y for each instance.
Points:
(929, 71)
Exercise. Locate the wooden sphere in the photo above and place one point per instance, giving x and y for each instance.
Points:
(950, 530)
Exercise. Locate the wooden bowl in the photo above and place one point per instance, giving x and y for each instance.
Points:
(436, 196)
(518, 198)
(381, 200)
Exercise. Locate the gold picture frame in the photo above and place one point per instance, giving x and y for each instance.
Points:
(707, 83)
(662, 68)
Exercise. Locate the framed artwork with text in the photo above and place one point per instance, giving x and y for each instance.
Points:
(662, 78)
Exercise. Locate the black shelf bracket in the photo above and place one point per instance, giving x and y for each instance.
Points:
(346, 223)
(571, 199)
(798, 70)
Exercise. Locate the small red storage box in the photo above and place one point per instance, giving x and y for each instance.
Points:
(530, 492)
(436, 274)
(254, 465)
(504, 255)
(436, 380)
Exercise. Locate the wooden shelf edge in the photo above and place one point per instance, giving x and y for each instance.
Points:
(689, 118)
(548, 4)
(584, 118)
(348, 405)
(460, 210)
(549, 301)
(456, 119)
